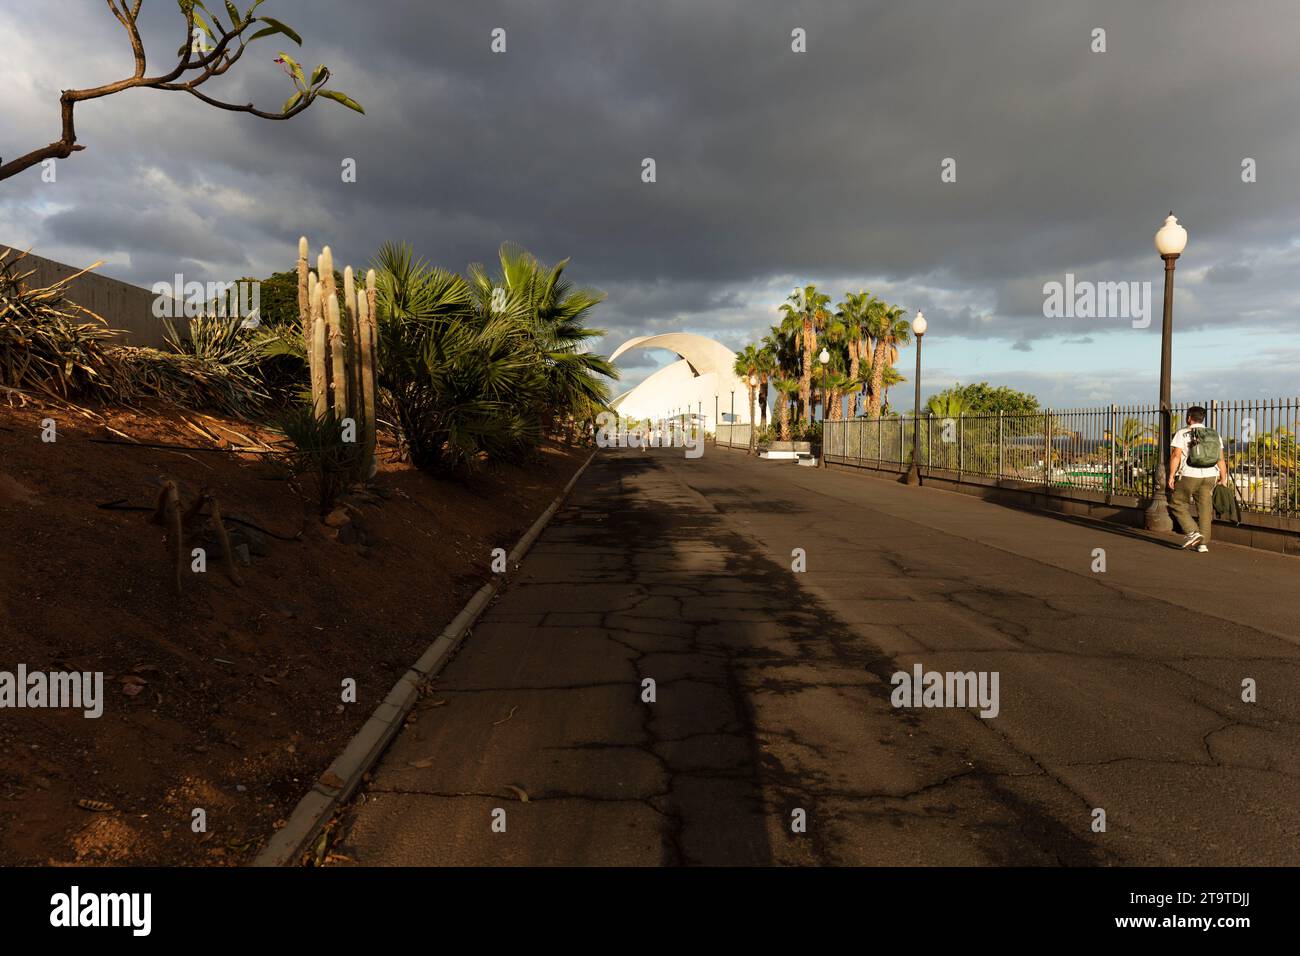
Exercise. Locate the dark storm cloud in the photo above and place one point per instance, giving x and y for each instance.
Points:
(1229, 272)
(774, 168)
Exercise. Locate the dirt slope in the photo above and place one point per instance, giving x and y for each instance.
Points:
(223, 698)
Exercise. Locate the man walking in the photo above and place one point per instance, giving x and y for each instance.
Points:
(1196, 465)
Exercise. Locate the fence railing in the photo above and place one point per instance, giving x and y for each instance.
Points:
(1113, 449)
(734, 436)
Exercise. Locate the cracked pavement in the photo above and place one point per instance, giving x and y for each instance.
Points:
(1119, 691)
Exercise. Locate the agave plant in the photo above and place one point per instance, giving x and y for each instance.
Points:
(217, 366)
(47, 343)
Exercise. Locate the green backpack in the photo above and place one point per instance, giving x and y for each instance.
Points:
(1205, 448)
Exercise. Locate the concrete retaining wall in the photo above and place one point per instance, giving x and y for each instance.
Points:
(120, 304)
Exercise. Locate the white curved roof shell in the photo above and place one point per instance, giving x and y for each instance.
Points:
(702, 376)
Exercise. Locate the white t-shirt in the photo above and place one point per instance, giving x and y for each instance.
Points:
(1182, 440)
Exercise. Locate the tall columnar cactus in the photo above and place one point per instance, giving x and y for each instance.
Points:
(370, 370)
(352, 345)
(304, 292)
(342, 345)
(318, 353)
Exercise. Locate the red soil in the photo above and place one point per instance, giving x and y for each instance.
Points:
(233, 702)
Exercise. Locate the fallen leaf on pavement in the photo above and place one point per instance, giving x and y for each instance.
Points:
(518, 792)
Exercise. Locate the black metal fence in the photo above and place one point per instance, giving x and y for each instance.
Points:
(1113, 450)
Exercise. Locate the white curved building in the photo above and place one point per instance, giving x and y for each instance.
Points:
(701, 380)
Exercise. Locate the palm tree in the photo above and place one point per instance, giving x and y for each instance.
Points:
(786, 389)
(892, 377)
(785, 350)
(840, 345)
(889, 330)
(791, 332)
(889, 376)
(1132, 431)
(805, 312)
(552, 312)
(855, 315)
(1272, 457)
(836, 384)
(458, 383)
(468, 372)
(746, 368)
(767, 367)
(945, 405)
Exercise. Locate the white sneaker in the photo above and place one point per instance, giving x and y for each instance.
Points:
(1192, 540)
(1202, 548)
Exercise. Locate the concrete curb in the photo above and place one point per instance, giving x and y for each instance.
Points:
(363, 751)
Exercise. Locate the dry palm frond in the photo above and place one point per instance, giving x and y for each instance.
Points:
(215, 366)
(47, 343)
(55, 348)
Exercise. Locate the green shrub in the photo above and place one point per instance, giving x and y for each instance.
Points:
(314, 448)
(470, 375)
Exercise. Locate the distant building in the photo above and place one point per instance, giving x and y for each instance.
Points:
(700, 381)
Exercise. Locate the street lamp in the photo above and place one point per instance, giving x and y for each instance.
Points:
(824, 358)
(919, 325)
(1171, 240)
(753, 430)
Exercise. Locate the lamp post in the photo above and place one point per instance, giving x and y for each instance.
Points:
(731, 429)
(919, 325)
(1171, 240)
(753, 431)
(824, 358)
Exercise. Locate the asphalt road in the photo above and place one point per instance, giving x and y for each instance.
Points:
(1118, 691)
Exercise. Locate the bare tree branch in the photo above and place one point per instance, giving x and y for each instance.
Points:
(127, 19)
(210, 63)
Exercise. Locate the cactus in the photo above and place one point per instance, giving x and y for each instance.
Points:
(317, 353)
(304, 292)
(352, 344)
(227, 552)
(169, 505)
(369, 346)
(342, 348)
(305, 312)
